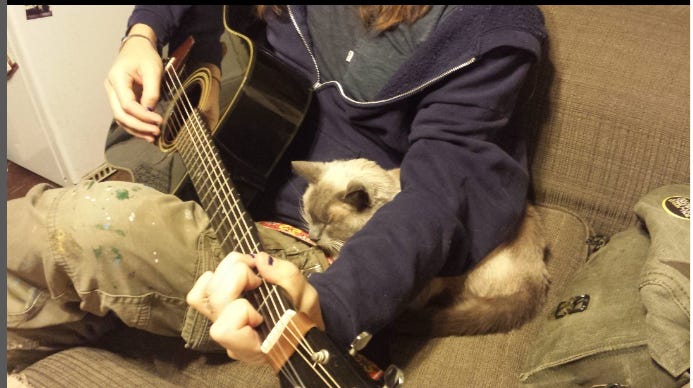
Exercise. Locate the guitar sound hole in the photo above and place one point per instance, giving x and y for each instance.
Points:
(180, 108)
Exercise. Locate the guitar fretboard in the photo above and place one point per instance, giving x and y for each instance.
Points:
(233, 225)
(221, 201)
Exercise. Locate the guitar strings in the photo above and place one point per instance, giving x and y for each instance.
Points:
(254, 246)
(273, 318)
(292, 377)
(203, 196)
(268, 296)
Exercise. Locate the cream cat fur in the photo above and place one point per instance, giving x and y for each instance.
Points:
(502, 292)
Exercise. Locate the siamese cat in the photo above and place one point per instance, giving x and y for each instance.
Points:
(502, 292)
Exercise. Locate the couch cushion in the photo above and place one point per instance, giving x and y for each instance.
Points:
(611, 109)
(496, 359)
(89, 367)
(138, 359)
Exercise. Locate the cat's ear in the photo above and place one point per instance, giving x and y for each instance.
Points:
(357, 196)
(310, 171)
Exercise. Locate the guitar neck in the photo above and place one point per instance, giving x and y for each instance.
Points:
(236, 232)
(234, 227)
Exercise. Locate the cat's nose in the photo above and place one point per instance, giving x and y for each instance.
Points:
(314, 233)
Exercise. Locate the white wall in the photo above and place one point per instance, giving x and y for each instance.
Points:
(57, 110)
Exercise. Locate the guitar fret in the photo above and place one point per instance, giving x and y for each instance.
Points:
(195, 166)
(260, 304)
(226, 239)
(184, 146)
(236, 232)
(245, 238)
(215, 214)
(228, 227)
(237, 222)
(223, 214)
(206, 192)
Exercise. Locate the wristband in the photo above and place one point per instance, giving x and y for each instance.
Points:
(127, 37)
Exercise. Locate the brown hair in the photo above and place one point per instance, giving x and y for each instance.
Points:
(378, 18)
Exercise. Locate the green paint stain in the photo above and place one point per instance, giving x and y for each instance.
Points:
(91, 183)
(122, 194)
(117, 256)
(98, 251)
(107, 227)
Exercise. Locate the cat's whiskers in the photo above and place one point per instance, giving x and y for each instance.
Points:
(304, 217)
(335, 246)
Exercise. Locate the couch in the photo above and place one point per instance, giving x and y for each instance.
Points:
(610, 115)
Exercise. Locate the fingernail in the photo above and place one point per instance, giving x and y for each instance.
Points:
(251, 255)
(270, 261)
(150, 109)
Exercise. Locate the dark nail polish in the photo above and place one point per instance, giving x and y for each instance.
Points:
(251, 255)
(270, 261)
(150, 109)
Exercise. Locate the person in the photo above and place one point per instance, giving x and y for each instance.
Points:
(430, 89)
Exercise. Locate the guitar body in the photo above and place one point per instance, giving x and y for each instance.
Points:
(261, 104)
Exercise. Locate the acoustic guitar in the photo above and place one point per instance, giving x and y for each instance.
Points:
(260, 114)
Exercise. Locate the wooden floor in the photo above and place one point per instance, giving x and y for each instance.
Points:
(20, 180)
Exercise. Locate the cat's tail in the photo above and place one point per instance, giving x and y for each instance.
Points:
(507, 289)
(477, 315)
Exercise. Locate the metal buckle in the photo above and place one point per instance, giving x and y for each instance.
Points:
(573, 305)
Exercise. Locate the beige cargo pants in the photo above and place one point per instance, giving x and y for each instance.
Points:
(79, 258)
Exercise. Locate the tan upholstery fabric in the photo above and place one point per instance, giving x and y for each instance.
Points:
(87, 368)
(611, 108)
(137, 359)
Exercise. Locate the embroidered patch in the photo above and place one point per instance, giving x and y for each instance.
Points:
(678, 206)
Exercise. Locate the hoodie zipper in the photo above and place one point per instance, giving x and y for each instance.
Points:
(305, 44)
(318, 85)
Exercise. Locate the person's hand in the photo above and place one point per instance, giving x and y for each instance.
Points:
(218, 296)
(133, 84)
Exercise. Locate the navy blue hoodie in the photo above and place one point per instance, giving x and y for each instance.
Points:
(443, 117)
